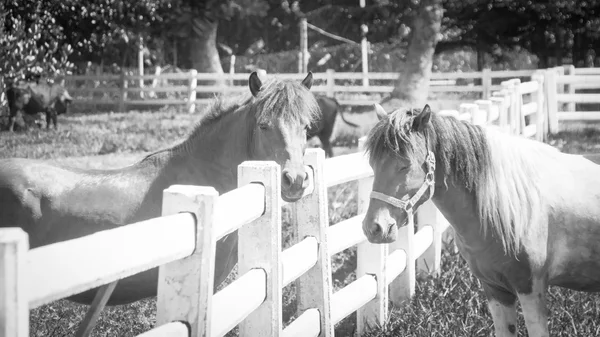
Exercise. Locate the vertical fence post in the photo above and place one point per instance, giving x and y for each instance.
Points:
(510, 86)
(304, 45)
(310, 216)
(551, 100)
(560, 71)
(14, 305)
(191, 103)
(540, 114)
(185, 287)
(499, 106)
(469, 109)
(482, 114)
(330, 83)
(569, 70)
(123, 93)
(371, 260)
(259, 246)
(486, 82)
(517, 101)
(429, 215)
(403, 287)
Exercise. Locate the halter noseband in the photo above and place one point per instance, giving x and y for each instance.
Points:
(407, 203)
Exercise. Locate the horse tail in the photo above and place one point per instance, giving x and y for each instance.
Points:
(342, 113)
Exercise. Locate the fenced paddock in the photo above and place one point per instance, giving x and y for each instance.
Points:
(182, 244)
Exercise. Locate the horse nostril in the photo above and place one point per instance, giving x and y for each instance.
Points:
(287, 179)
(391, 226)
(377, 230)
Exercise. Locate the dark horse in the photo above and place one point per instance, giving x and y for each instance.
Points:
(55, 203)
(51, 99)
(323, 126)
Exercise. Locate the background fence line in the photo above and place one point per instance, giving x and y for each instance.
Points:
(182, 244)
(566, 88)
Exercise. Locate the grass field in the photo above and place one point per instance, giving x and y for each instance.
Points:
(451, 305)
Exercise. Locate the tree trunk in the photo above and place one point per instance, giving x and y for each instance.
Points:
(204, 55)
(412, 87)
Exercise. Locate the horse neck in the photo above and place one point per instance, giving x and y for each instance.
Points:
(211, 155)
(459, 207)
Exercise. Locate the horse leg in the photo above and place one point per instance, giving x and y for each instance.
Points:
(326, 146)
(535, 312)
(503, 308)
(11, 123)
(91, 317)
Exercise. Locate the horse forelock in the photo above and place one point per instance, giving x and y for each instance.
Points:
(391, 136)
(287, 100)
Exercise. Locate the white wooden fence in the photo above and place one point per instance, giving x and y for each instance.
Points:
(182, 88)
(563, 87)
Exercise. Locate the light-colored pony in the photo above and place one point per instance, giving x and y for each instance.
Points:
(525, 215)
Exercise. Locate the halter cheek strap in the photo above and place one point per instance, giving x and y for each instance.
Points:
(405, 202)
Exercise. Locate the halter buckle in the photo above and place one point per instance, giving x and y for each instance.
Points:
(429, 178)
(408, 205)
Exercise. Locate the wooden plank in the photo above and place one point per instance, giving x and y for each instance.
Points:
(173, 329)
(353, 296)
(423, 240)
(587, 71)
(346, 168)
(236, 301)
(458, 88)
(310, 219)
(530, 130)
(578, 98)
(250, 201)
(185, 287)
(14, 309)
(306, 325)
(529, 87)
(298, 259)
(428, 219)
(179, 88)
(396, 264)
(594, 80)
(146, 244)
(259, 246)
(346, 234)
(371, 259)
(529, 108)
(91, 317)
(578, 115)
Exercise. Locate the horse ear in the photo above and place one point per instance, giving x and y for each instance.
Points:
(379, 111)
(308, 80)
(422, 119)
(254, 83)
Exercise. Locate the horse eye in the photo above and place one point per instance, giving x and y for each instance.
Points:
(263, 126)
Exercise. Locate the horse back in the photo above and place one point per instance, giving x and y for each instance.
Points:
(328, 112)
(54, 203)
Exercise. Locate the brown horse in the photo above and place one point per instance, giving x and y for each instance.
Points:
(56, 203)
(323, 126)
(51, 99)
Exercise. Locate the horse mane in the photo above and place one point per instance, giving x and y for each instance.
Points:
(498, 168)
(284, 99)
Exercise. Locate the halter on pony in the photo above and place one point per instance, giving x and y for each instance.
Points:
(406, 203)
